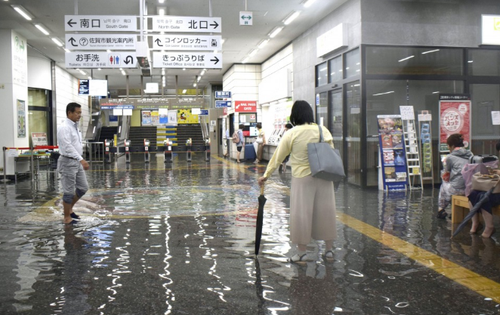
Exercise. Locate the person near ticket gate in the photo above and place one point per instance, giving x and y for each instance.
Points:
(71, 164)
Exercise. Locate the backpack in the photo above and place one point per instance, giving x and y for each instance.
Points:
(236, 137)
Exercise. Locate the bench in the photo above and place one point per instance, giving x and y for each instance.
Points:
(460, 208)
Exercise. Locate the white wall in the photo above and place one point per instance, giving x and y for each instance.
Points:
(243, 82)
(39, 73)
(66, 91)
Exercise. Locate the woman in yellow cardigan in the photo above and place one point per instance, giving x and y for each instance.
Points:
(312, 200)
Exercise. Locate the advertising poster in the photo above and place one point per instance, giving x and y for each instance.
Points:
(146, 118)
(392, 151)
(454, 117)
(184, 116)
(155, 118)
(21, 119)
(172, 117)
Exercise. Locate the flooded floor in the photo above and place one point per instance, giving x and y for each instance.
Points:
(179, 239)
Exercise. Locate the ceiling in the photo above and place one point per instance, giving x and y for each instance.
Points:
(239, 41)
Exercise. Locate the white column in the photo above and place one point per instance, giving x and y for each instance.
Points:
(13, 94)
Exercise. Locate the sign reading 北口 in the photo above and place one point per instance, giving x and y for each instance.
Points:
(187, 42)
(101, 41)
(184, 24)
(187, 60)
(100, 59)
(100, 23)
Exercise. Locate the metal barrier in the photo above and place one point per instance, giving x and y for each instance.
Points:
(127, 150)
(169, 156)
(95, 151)
(146, 150)
(189, 144)
(207, 149)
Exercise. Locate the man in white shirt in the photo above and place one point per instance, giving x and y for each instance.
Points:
(71, 164)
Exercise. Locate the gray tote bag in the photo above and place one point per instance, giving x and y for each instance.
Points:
(325, 161)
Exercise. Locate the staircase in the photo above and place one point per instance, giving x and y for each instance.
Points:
(137, 136)
(193, 131)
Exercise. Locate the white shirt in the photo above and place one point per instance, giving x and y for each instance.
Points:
(69, 140)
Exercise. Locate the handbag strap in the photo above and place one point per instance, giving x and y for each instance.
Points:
(320, 133)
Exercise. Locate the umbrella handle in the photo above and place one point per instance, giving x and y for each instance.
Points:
(262, 190)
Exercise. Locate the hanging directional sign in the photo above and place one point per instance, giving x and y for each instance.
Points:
(187, 42)
(100, 23)
(169, 23)
(100, 59)
(246, 18)
(187, 59)
(101, 41)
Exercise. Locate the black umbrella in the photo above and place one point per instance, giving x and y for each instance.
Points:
(260, 220)
(474, 210)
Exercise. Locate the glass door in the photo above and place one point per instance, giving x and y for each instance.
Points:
(336, 120)
(353, 133)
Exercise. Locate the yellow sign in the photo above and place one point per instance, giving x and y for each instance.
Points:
(184, 116)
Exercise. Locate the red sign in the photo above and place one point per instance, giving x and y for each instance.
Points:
(454, 118)
(245, 106)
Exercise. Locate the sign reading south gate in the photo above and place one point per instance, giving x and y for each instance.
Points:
(100, 23)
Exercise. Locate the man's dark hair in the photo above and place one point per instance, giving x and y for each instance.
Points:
(302, 113)
(71, 107)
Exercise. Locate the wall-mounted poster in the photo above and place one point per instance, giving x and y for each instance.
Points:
(146, 118)
(392, 152)
(21, 119)
(454, 117)
(184, 116)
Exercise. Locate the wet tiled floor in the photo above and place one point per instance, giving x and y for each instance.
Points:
(179, 239)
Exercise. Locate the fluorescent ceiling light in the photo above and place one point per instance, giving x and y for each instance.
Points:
(82, 72)
(194, 85)
(245, 60)
(21, 10)
(252, 53)
(275, 31)
(308, 3)
(184, 91)
(161, 1)
(436, 92)
(198, 79)
(263, 43)
(470, 61)
(161, 11)
(291, 17)
(222, 41)
(42, 29)
(57, 41)
(430, 51)
(124, 73)
(383, 93)
(66, 50)
(404, 59)
(203, 72)
(108, 51)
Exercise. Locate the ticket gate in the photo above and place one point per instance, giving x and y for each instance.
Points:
(127, 150)
(107, 153)
(207, 149)
(189, 144)
(167, 145)
(146, 151)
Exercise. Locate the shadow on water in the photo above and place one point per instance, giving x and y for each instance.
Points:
(178, 239)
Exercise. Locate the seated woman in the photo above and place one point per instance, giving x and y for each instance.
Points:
(486, 208)
(453, 181)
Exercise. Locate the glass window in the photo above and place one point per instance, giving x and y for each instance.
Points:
(411, 60)
(383, 97)
(322, 110)
(484, 62)
(353, 63)
(335, 66)
(322, 74)
(353, 103)
(37, 98)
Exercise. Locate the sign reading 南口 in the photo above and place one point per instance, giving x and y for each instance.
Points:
(100, 59)
(184, 59)
(245, 106)
(185, 24)
(187, 42)
(100, 23)
(101, 41)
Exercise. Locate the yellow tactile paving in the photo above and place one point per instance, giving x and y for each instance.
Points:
(473, 281)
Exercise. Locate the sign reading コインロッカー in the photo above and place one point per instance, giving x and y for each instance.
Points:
(100, 23)
(187, 42)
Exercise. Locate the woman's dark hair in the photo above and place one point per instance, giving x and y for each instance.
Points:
(455, 140)
(302, 113)
(259, 125)
(241, 126)
(288, 126)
